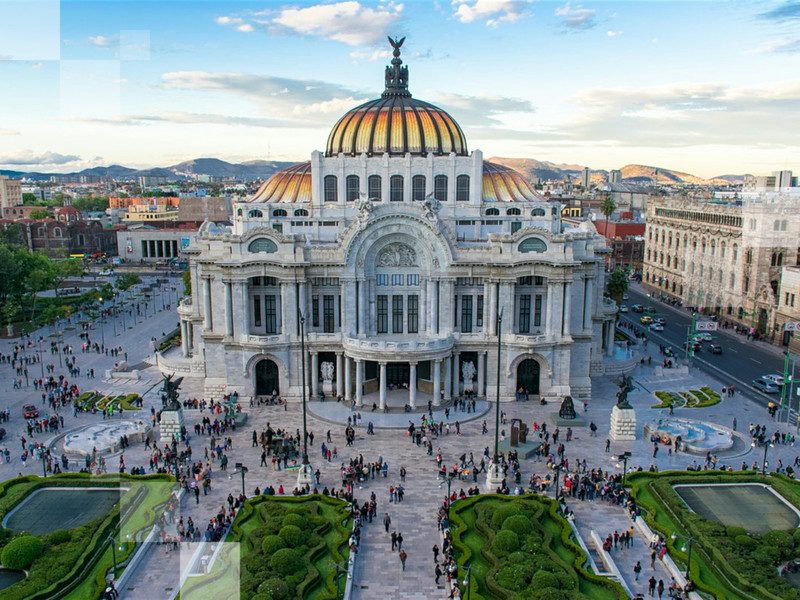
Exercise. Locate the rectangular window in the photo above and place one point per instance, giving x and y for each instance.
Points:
(397, 314)
(382, 326)
(525, 313)
(462, 188)
(396, 188)
(398, 279)
(479, 312)
(271, 320)
(315, 311)
(412, 280)
(455, 311)
(418, 188)
(792, 299)
(786, 302)
(413, 313)
(257, 311)
(352, 185)
(466, 314)
(538, 280)
(331, 191)
(382, 279)
(327, 314)
(537, 311)
(440, 188)
(374, 187)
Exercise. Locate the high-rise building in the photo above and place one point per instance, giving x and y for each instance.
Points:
(586, 178)
(10, 192)
(615, 176)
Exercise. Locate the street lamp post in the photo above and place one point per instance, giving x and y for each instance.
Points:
(767, 446)
(558, 478)
(102, 329)
(304, 475)
(468, 582)
(243, 470)
(494, 476)
(624, 457)
(689, 542)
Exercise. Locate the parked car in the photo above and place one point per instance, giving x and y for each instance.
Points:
(696, 345)
(650, 310)
(774, 378)
(29, 411)
(637, 308)
(646, 320)
(766, 386)
(715, 349)
(623, 308)
(660, 320)
(656, 326)
(704, 336)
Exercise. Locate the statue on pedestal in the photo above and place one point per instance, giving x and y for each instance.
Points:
(169, 393)
(625, 384)
(567, 410)
(519, 432)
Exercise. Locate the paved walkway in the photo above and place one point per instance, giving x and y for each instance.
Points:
(338, 413)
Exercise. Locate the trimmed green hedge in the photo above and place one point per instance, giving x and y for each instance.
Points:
(702, 398)
(21, 551)
(727, 562)
(520, 547)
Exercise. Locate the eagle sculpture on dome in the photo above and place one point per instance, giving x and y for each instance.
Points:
(396, 44)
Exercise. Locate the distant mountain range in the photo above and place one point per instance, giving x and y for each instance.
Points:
(642, 174)
(263, 169)
(213, 167)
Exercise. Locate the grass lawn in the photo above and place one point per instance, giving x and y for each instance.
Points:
(520, 547)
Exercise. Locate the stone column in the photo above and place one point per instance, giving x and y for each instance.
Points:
(448, 378)
(549, 321)
(362, 307)
(184, 339)
(208, 322)
(228, 309)
(437, 382)
(412, 385)
(359, 382)
(492, 301)
(588, 304)
(610, 339)
(339, 374)
(434, 291)
(487, 292)
(348, 386)
(303, 303)
(456, 371)
(382, 395)
(565, 320)
(481, 376)
(423, 306)
(244, 298)
(445, 307)
(314, 375)
(190, 336)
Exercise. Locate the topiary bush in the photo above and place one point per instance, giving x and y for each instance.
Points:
(274, 589)
(519, 524)
(296, 520)
(292, 535)
(502, 513)
(286, 561)
(504, 543)
(20, 552)
(271, 544)
(544, 579)
(60, 536)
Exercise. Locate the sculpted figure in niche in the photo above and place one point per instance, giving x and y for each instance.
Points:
(326, 368)
(397, 255)
(468, 372)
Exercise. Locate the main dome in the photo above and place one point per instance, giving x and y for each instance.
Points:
(396, 123)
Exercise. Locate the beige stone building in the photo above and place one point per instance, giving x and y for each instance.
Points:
(726, 258)
(789, 307)
(10, 192)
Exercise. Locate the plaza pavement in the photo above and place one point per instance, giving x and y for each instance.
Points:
(378, 572)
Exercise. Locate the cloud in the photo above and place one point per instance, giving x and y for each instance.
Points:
(577, 18)
(612, 34)
(483, 110)
(784, 12)
(280, 97)
(103, 41)
(237, 22)
(780, 46)
(370, 54)
(28, 158)
(348, 22)
(182, 118)
(493, 12)
(8, 132)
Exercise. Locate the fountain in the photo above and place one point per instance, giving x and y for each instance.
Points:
(696, 437)
(105, 437)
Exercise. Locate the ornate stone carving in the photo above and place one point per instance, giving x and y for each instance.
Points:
(468, 372)
(326, 368)
(364, 206)
(397, 255)
(431, 207)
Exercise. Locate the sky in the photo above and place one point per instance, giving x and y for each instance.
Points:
(707, 88)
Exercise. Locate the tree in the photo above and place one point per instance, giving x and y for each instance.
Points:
(607, 208)
(40, 213)
(187, 283)
(11, 235)
(64, 269)
(28, 198)
(127, 281)
(617, 285)
(91, 204)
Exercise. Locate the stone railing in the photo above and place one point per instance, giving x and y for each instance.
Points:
(379, 345)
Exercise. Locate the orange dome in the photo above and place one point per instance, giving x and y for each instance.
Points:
(292, 184)
(504, 184)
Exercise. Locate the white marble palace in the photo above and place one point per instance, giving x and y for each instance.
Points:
(394, 250)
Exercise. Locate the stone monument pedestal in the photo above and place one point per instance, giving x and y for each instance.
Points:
(327, 388)
(623, 424)
(171, 424)
(305, 476)
(494, 478)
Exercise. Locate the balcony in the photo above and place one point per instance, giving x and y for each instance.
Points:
(397, 348)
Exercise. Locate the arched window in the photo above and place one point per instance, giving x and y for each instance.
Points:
(301, 212)
(239, 212)
(255, 214)
(278, 212)
(748, 256)
(57, 232)
(375, 189)
(418, 188)
(780, 259)
(532, 245)
(722, 249)
(713, 248)
(331, 189)
(351, 188)
(262, 245)
(396, 188)
(735, 252)
(492, 212)
(773, 259)
(513, 212)
(462, 188)
(440, 188)
(537, 212)
(685, 240)
(733, 281)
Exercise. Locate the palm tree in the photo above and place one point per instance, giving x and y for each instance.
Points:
(607, 208)
(617, 285)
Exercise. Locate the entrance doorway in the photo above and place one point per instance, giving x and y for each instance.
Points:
(397, 374)
(267, 380)
(528, 376)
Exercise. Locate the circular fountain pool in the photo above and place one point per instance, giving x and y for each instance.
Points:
(695, 436)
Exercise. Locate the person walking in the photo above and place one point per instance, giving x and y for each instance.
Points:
(400, 541)
(651, 585)
(387, 520)
(403, 557)
(438, 572)
(637, 568)
(435, 553)
(660, 588)
(394, 540)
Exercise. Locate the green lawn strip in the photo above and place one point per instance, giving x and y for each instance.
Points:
(325, 543)
(520, 547)
(667, 399)
(66, 555)
(712, 397)
(721, 564)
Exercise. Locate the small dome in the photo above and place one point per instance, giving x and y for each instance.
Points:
(504, 184)
(396, 123)
(292, 184)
